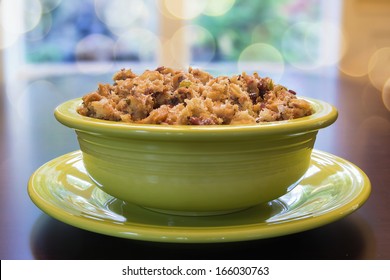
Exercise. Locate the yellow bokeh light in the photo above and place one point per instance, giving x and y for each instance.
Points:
(379, 67)
(218, 7)
(356, 57)
(184, 9)
(386, 94)
(262, 58)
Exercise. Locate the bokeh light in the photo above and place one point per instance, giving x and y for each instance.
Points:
(355, 61)
(182, 9)
(330, 48)
(7, 39)
(20, 16)
(199, 40)
(49, 5)
(217, 8)
(373, 124)
(42, 29)
(379, 68)
(386, 94)
(95, 48)
(137, 44)
(368, 98)
(118, 15)
(227, 42)
(297, 42)
(20, 99)
(262, 58)
(269, 31)
(303, 45)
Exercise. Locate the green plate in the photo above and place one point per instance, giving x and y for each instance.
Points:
(331, 189)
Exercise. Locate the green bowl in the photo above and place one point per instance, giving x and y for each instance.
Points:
(196, 170)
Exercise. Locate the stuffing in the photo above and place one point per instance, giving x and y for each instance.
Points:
(193, 97)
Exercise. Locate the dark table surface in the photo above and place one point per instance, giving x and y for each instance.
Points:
(30, 136)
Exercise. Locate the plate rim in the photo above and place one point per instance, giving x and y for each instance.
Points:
(202, 234)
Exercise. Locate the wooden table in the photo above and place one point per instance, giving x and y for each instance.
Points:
(30, 136)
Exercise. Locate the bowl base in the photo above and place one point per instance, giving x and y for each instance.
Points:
(194, 213)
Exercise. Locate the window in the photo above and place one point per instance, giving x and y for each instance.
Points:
(97, 35)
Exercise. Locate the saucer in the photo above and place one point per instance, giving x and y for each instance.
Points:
(331, 189)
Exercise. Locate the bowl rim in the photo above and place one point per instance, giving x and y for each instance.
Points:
(324, 115)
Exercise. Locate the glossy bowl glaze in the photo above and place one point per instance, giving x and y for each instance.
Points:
(196, 170)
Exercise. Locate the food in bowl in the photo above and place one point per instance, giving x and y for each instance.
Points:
(193, 97)
(196, 169)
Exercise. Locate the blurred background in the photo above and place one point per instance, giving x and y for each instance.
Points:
(97, 35)
(41, 37)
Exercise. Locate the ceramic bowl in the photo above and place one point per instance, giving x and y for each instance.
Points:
(196, 170)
